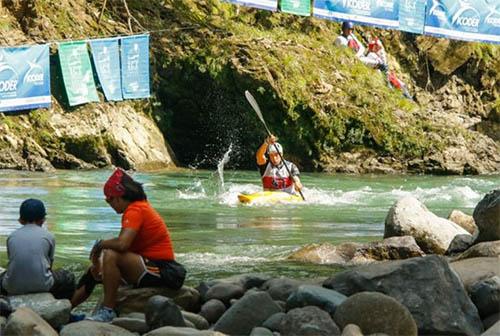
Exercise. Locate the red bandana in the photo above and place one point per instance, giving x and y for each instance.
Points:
(114, 187)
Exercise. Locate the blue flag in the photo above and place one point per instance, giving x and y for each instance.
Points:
(24, 77)
(380, 13)
(412, 16)
(271, 5)
(106, 55)
(135, 66)
(477, 20)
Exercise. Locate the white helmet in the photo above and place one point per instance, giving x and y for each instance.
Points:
(274, 148)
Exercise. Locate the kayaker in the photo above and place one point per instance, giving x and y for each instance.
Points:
(275, 176)
(142, 255)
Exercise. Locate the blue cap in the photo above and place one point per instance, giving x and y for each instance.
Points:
(347, 25)
(32, 210)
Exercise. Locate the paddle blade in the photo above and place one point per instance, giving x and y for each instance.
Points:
(255, 107)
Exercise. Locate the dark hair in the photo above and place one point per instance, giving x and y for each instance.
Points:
(133, 190)
(32, 210)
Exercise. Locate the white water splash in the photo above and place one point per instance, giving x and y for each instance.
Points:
(220, 166)
(196, 191)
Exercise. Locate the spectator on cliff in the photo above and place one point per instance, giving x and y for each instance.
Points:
(142, 255)
(376, 51)
(348, 39)
(30, 250)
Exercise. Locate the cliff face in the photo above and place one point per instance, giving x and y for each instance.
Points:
(330, 112)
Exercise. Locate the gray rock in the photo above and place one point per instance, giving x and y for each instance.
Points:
(465, 221)
(162, 311)
(473, 270)
(281, 288)
(308, 321)
(247, 281)
(259, 331)
(91, 328)
(131, 324)
(494, 330)
(24, 321)
(212, 310)
(178, 331)
(134, 299)
(459, 244)
(249, 312)
(198, 321)
(323, 298)
(489, 321)
(485, 249)
(376, 313)
(487, 217)
(273, 322)
(55, 312)
(427, 286)
(189, 324)
(351, 330)
(409, 217)
(225, 292)
(350, 254)
(486, 296)
(3, 322)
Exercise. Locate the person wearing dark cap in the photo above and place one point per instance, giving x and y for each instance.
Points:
(30, 250)
(142, 255)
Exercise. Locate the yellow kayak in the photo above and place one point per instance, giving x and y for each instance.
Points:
(268, 197)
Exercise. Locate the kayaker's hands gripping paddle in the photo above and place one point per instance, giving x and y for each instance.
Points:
(256, 108)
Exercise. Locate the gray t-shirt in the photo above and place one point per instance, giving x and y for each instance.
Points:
(30, 250)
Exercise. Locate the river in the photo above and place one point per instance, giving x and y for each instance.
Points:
(213, 235)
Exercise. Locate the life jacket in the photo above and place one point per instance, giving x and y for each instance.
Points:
(278, 178)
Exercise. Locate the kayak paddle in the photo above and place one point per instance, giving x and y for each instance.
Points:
(256, 108)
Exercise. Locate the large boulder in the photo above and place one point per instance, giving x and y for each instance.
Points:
(487, 217)
(307, 295)
(376, 313)
(212, 310)
(24, 321)
(408, 216)
(55, 312)
(350, 254)
(248, 312)
(308, 321)
(445, 55)
(420, 284)
(225, 292)
(91, 328)
(134, 299)
(473, 270)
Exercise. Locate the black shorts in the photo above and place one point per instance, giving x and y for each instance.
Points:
(162, 273)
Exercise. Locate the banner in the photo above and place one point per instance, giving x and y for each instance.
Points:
(106, 56)
(271, 5)
(298, 7)
(135, 66)
(380, 13)
(77, 72)
(412, 16)
(477, 20)
(24, 78)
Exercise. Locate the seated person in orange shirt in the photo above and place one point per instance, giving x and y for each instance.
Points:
(142, 255)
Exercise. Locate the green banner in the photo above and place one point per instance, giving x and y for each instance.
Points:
(297, 7)
(77, 72)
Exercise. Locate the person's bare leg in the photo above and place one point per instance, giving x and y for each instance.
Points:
(116, 266)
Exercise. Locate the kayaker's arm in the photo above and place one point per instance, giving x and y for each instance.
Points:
(261, 154)
(297, 183)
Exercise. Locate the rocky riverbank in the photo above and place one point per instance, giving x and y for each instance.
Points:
(332, 113)
(429, 276)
